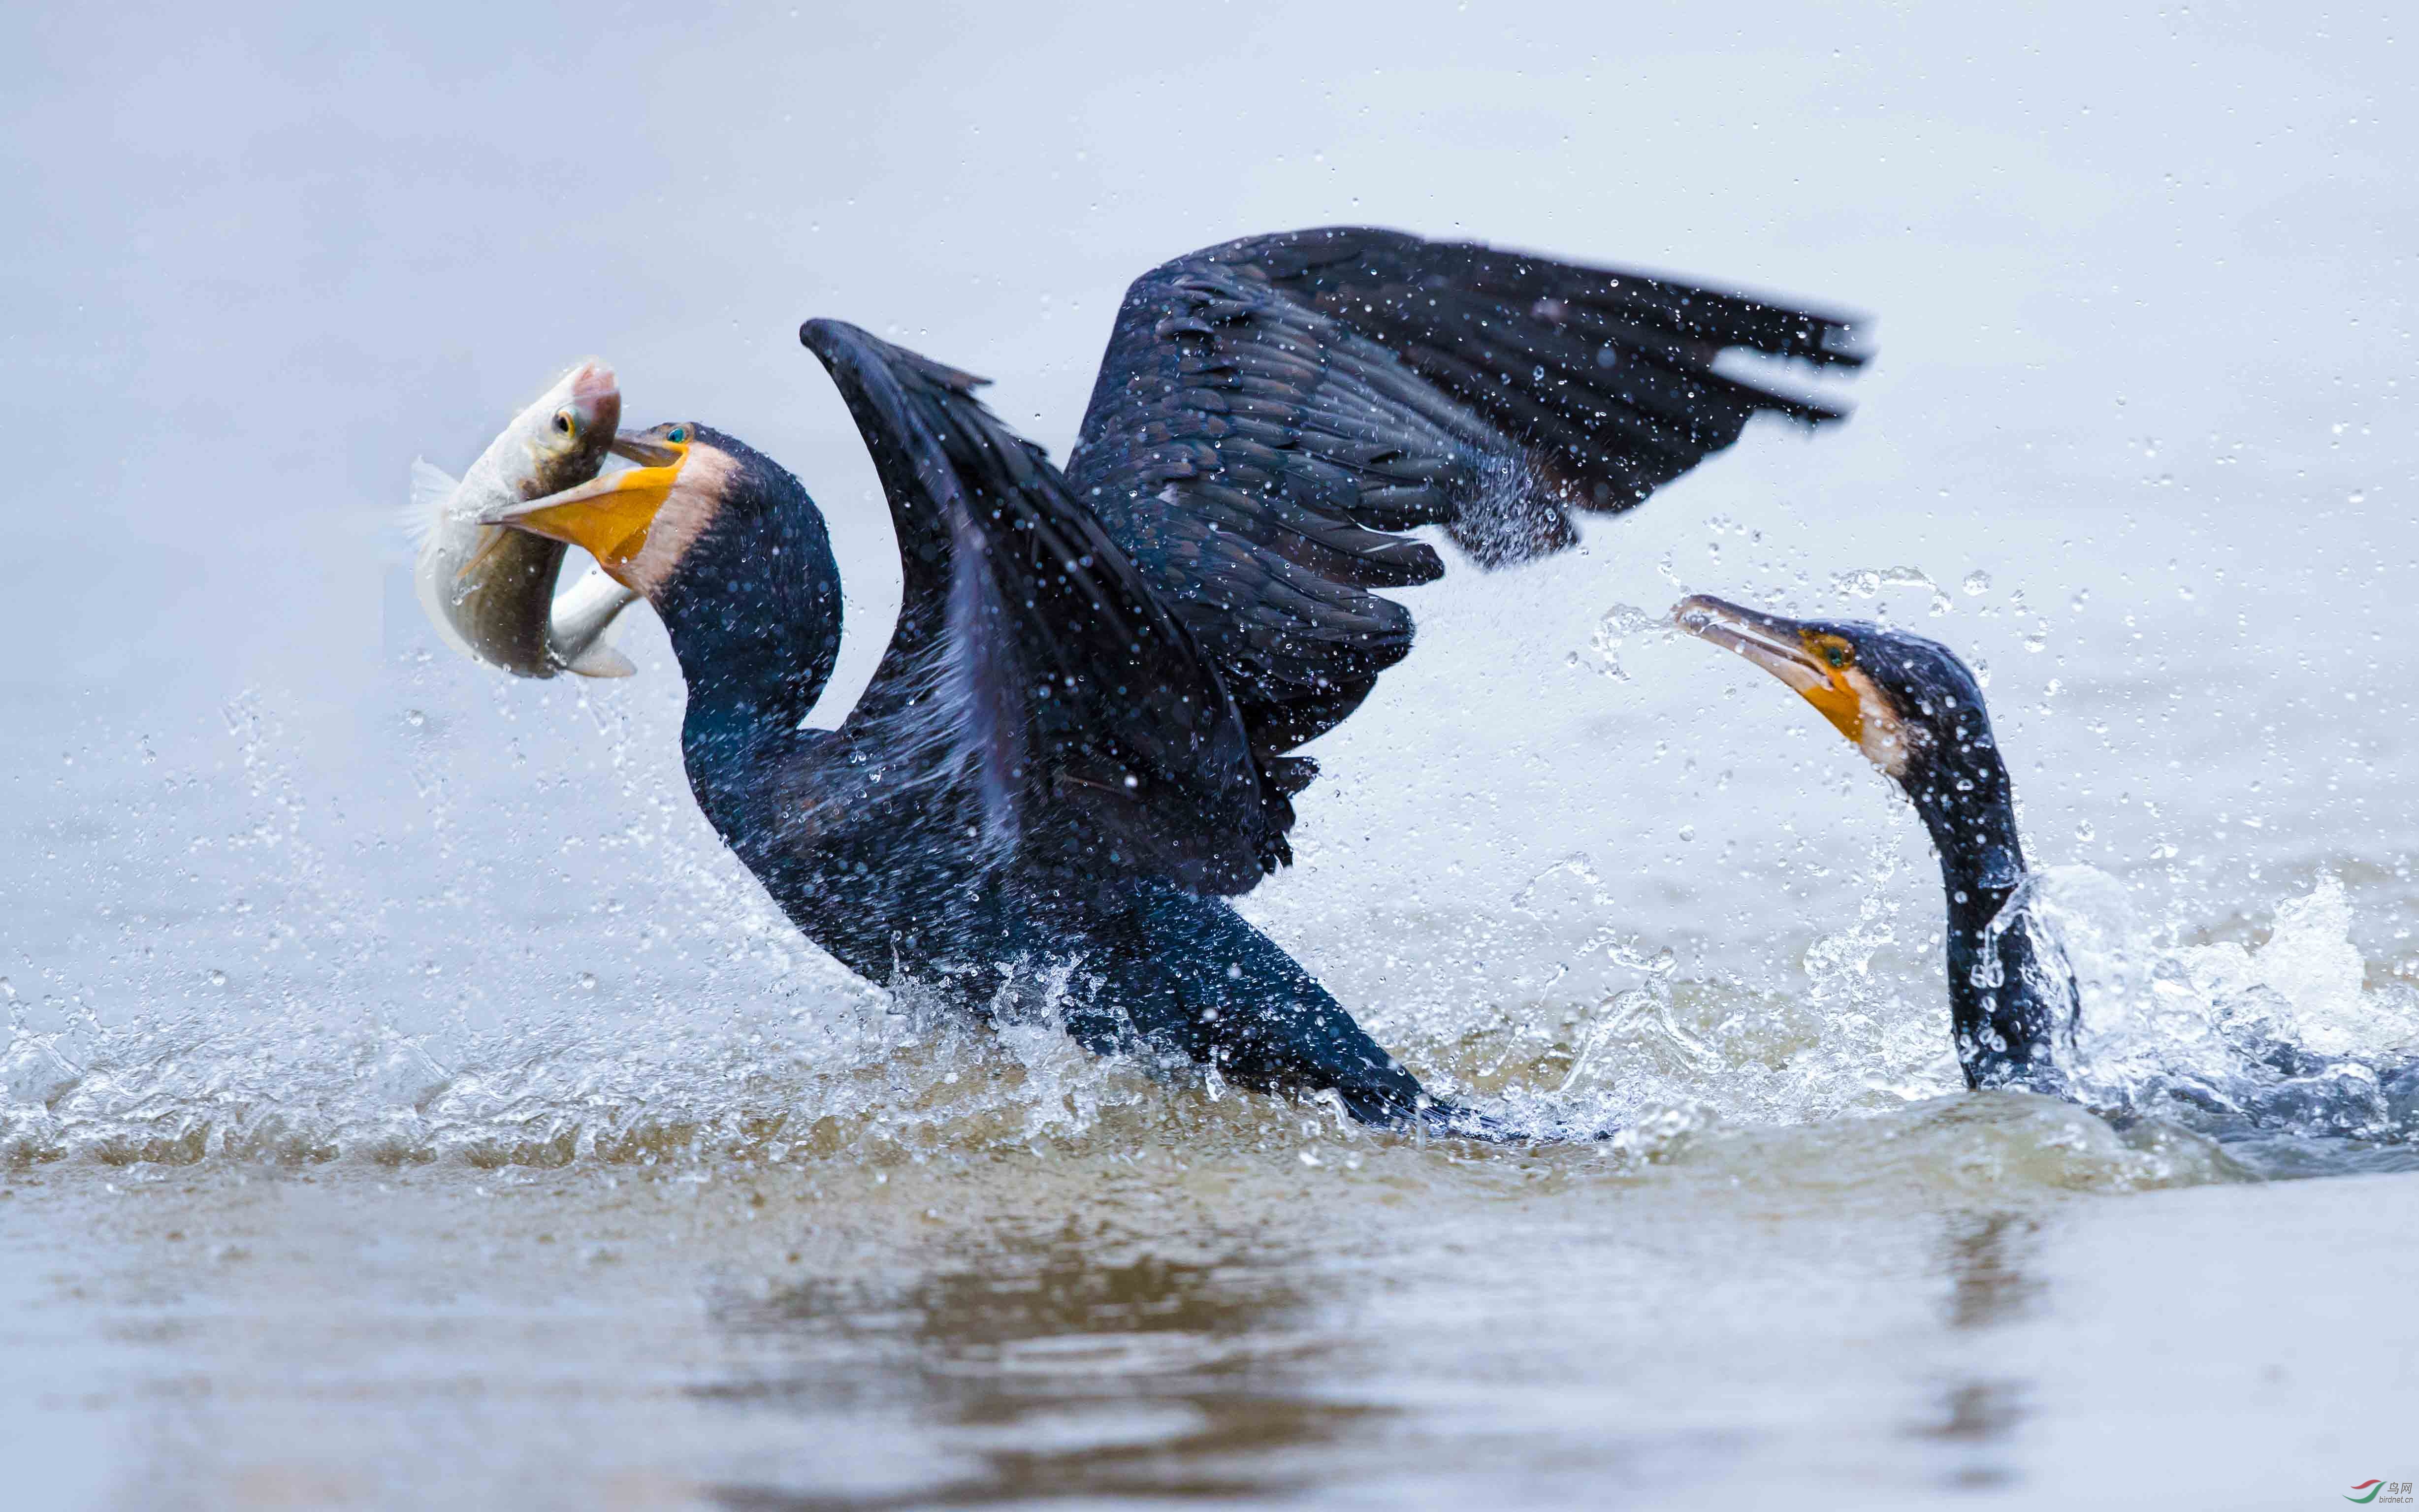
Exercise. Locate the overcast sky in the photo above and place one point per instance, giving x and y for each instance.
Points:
(2137, 265)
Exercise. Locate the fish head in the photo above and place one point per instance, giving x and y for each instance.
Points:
(570, 428)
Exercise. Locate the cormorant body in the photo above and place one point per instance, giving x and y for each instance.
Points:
(879, 840)
(1077, 746)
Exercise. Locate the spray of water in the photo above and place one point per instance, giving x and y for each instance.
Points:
(2286, 1037)
(343, 1015)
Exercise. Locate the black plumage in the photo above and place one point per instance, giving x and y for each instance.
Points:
(1271, 411)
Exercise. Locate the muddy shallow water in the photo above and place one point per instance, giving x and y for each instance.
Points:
(1983, 1295)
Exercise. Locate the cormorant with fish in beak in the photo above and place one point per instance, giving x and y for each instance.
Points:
(1078, 745)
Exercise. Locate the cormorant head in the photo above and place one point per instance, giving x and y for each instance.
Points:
(724, 544)
(1914, 708)
(1908, 703)
(640, 524)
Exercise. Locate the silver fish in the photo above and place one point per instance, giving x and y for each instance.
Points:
(489, 590)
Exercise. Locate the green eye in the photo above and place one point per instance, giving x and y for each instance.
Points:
(676, 435)
(1837, 655)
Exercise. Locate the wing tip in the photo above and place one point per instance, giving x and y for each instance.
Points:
(837, 342)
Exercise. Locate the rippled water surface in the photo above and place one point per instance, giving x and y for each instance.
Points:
(405, 1102)
(1971, 1295)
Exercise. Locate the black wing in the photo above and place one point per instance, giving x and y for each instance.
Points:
(1089, 715)
(1271, 409)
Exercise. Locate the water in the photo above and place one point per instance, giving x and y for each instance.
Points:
(456, 1122)
(406, 1100)
(1925, 1305)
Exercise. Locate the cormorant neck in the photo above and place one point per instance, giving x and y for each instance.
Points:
(754, 616)
(2010, 1017)
(1975, 832)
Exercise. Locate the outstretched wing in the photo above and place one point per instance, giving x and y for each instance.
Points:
(1270, 410)
(1029, 643)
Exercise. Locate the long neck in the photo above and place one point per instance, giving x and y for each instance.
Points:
(755, 619)
(2009, 1011)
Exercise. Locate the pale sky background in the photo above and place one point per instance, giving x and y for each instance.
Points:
(2142, 279)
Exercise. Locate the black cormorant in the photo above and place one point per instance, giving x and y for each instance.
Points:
(1916, 712)
(1076, 747)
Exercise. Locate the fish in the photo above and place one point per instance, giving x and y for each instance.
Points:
(491, 590)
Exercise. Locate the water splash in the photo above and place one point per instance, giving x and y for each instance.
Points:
(1868, 582)
(1847, 1039)
(1621, 624)
(2285, 1037)
(346, 1010)
(184, 1088)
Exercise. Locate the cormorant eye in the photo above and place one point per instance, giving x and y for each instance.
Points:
(676, 435)
(565, 423)
(1838, 656)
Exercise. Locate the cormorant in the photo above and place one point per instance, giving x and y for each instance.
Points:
(1916, 712)
(1076, 747)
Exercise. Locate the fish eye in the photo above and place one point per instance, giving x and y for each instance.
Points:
(676, 435)
(566, 422)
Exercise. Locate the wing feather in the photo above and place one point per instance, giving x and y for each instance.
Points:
(1096, 729)
(1274, 411)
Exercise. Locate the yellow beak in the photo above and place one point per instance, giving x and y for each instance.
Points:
(1777, 646)
(609, 518)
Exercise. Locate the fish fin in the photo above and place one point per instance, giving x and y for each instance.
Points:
(430, 488)
(577, 623)
(601, 660)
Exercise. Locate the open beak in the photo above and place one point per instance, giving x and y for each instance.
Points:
(1771, 643)
(609, 516)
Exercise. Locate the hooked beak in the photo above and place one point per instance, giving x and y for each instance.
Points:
(608, 518)
(1779, 646)
(1769, 640)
